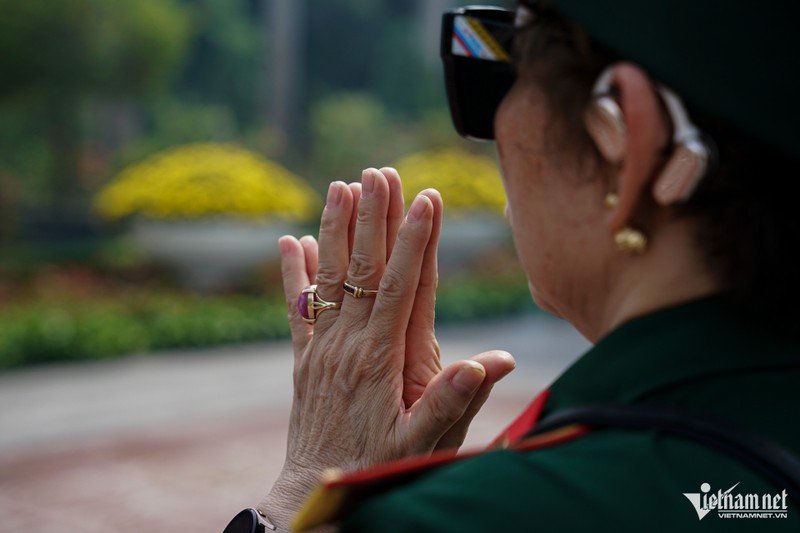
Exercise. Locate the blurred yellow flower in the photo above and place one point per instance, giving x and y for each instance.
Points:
(202, 179)
(466, 181)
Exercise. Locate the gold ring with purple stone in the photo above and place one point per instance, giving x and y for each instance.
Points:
(310, 304)
(359, 292)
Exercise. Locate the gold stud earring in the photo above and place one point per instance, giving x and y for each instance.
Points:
(630, 240)
(627, 239)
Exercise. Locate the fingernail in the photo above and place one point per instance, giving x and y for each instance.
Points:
(468, 379)
(367, 182)
(334, 194)
(283, 244)
(418, 208)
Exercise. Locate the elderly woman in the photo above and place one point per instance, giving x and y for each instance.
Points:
(647, 152)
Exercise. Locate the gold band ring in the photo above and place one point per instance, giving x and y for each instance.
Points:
(310, 304)
(359, 292)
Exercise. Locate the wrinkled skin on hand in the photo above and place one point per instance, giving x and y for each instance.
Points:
(369, 386)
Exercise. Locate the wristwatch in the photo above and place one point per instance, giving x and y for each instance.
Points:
(250, 521)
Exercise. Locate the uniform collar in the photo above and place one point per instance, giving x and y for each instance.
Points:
(666, 349)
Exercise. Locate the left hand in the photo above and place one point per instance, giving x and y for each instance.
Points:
(369, 386)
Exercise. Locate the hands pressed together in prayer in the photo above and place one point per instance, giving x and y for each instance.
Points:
(369, 386)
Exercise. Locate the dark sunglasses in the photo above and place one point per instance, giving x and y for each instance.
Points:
(476, 50)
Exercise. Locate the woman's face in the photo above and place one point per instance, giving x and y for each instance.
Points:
(554, 207)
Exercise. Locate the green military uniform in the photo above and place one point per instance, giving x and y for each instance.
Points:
(698, 355)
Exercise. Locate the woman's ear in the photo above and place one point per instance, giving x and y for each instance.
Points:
(630, 131)
(604, 121)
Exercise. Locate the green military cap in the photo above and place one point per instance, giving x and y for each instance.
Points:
(736, 60)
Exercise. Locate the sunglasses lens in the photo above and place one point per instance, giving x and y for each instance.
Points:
(476, 53)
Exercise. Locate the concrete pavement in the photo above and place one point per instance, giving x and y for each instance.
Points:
(186, 439)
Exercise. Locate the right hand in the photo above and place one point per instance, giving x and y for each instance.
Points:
(369, 387)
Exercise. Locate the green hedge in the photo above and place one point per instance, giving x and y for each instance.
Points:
(475, 298)
(100, 328)
(39, 332)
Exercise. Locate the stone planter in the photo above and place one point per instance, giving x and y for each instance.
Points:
(467, 235)
(210, 254)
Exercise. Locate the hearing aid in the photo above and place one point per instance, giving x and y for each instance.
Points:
(691, 153)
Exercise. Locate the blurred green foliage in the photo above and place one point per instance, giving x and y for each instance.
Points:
(64, 329)
(471, 298)
(50, 48)
(226, 66)
(68, 330)
(348, 127)
(90, 86)
(57, 54)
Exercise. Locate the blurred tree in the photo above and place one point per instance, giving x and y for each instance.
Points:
(85, 84)
(387, 48)
(285, 21)
(225, 62)
(348, 128)
(54, 54)
(218, 93)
